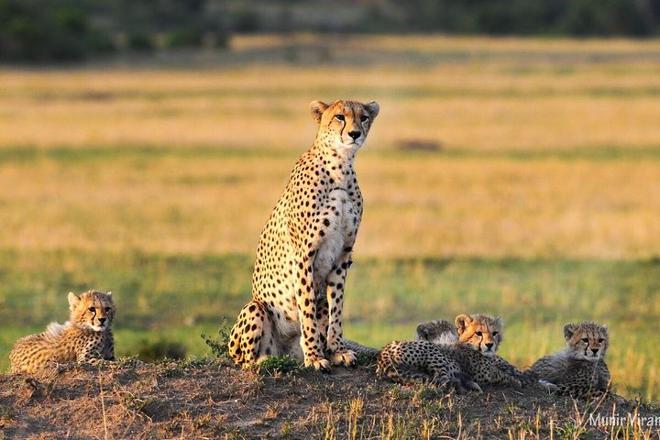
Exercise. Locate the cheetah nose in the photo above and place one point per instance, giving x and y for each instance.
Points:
(102, 321)
(489, 345)
(354, 134)
(594, 350)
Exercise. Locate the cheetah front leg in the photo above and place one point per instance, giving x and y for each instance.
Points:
(91, 354)
(310, 338)
(336, 281)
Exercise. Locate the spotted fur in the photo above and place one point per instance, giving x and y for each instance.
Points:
(85, 338)
(437, 331)
(580, 369)
(305, 249)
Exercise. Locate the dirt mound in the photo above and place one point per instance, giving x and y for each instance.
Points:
(210, 399)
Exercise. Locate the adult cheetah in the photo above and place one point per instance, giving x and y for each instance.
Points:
(305, 249)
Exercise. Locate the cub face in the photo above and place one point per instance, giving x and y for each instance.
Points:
(439, 332)
(587, 340)
(345, 123)
(482, 333)
(92, 309)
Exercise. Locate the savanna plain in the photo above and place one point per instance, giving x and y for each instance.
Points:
(514, 177)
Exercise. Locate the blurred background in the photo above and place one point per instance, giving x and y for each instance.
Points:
(514, 168)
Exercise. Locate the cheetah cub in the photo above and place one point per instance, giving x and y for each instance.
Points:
(305, 249)
(86, 337)
(579, 370)
(466, 363)
(437, 331)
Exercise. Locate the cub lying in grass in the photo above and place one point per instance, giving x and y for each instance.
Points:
(85, 338)
(579, 370)
(466, 362)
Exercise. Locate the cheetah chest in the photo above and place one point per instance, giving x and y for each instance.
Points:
(340, 222)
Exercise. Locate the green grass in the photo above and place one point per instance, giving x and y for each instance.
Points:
(176, 298)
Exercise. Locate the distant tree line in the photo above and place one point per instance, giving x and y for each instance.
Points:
(65, 30)
(529, 17)
(70, 30)
(638, 18)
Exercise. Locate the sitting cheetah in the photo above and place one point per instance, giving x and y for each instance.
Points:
(466, 363)
(305, 249)
(86, 337)
(579, 370)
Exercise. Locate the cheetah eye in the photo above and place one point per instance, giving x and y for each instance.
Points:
(340, 117)
(92, 309)
(479, 334)
(494, 333)
(601, 340)
(585, 339)
(364, 118)
(107, 309)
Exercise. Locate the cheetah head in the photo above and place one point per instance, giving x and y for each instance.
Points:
(92, 309)
(439, 332)
(481, 332)
(345, 124)
(586, 340)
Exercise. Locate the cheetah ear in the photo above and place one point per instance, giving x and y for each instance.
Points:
(569, 329)
(497, 321)
(317, 108)
(109, 293)
(462, 321)
(73, 300)
(373, 108)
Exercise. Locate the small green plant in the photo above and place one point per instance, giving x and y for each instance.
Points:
(571, 431)
(220, 345)
(278, 364)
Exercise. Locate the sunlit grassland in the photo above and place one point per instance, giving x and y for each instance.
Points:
(539, 199)
(466, 94)
(419, 204)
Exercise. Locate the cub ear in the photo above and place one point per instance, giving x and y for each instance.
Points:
(73, 300)
(422, 332)
(569, 330)
(317, 108)
(462, 321)
(373, 108)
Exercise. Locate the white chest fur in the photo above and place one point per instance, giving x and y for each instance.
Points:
(339, 234)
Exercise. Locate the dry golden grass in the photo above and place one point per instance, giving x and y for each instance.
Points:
(529, 99)
(415, 206)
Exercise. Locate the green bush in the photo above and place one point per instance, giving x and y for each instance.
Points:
(278, 365)
(180, 38)
(38, 30)
(161, 349)
(140, 42)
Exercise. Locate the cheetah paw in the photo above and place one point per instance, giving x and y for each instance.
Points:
(473, 386)
(516, 384)
(318, 363)
(346, 358)
(549, 386)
